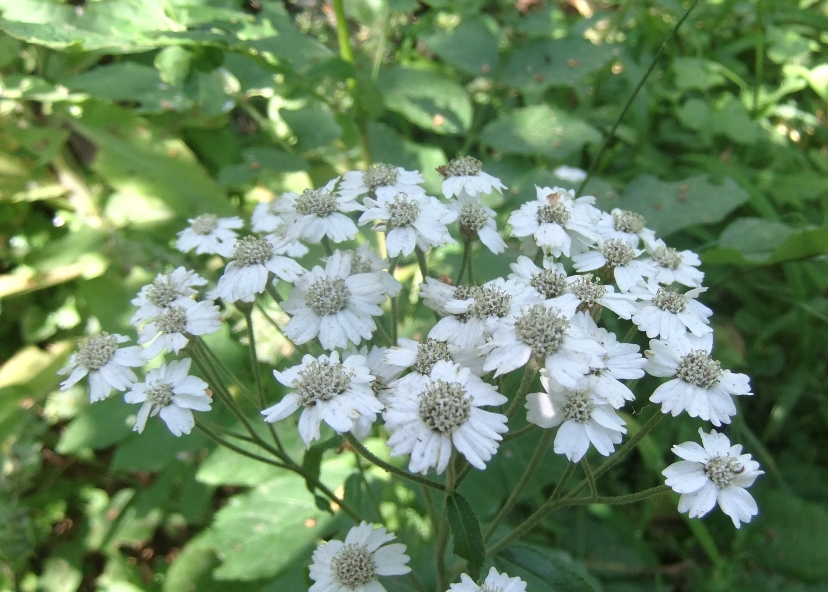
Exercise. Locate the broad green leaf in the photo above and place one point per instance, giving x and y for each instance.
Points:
(192, 570)
(429, 99)
(225, 467)
(545, 569)
(99, 425)
(696, 115)
(261, 163)
(696, 73)
(173, 63)
(671, 206)
(465, 533)
(733, 120)
(155, 448)
(558, 62)
(471, 47)
(539, 130)
(759, 241)
(313, 124)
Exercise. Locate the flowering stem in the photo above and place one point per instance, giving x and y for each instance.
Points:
(519, 433)
(357, 445)
(442, 533)
(525, 384)
(212, 357)
(421, 261)
(470, 264)
(271, 289)
(559, 487)
(221, 441)
(594, 166)
(464, 261)
(430, 509)
(368, 491)
(528, 473)
(590, 479)
(326, 244)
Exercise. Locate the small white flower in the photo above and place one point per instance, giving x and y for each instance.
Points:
(583, 418)
(557, 221)
(353, 565)
(168, 330)
(435, 294)
(319, 213)
(384, 373)
(549, 281)
(107, 365)
(542, 332)
(445, 410)
(364, 260)
(625, 225)
(169, 391)
(465, 174)
(209, 234)
(339, 394)
(673, 266)
(477, 312)
(421, 357)
(701, 387)
(415, 220)
(165, 290)
(254, 258)
(495, 582)
(716, 473)
(668, 313)
(334, 304)
(266, 217)
(571, 174)
(383, 179)
(617, 256)
(477, 221)
(584, 293)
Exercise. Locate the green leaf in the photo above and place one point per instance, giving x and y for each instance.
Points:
(312, 462)
(174, 64)
(560, 62)
(669, 207)
(541, 130)
(545, 569)
(314, 125)
(428, 99)
(764, 242)
(99, 425)
(465, 532)
(697, 73)
(471, 47)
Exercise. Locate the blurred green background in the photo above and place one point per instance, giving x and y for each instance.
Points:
(119, 119)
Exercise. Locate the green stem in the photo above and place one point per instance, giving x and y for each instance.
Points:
(463, 262)
(214, 359)
(271, 289)
(559, 487)
(326, 244)
(528, 473)
(358, 446)
(221, 441)
(594, 165)
(519, 433)
(525, 384)
(590, 479)
(369, 492)
(421, 261)
(442, 533)
(431, 509)
(759, 66)
(470, 265)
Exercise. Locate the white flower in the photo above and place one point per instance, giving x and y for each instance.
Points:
(477, 312)
(353, 565)
(672, 266)
(209, 234)
(464, 174)
(425, 422)
(334, 304)
(625, 225)
(421, 357)
(255, 258)
(384, 373)
(495, 582)
(364, 260)
(319, 213)
(415, 220)
(165, 290)
(266, 216)
(435, 294)
(557, 221)
(701, 387)
(543, 333)
(549, 281)
(583, 293)
(716, 473)
(105, 363)
(583, 418)
(477, 221)
(669, 314)
(617, 256)
(337, 393)
(168, 330)
(383, 179)
(169, 391)
(571, 174)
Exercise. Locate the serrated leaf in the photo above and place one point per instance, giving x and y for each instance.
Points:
(465, 533)
(544, 569)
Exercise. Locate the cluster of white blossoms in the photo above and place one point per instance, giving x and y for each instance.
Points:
(579, 267)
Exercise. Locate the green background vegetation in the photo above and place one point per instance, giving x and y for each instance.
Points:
(119, 119)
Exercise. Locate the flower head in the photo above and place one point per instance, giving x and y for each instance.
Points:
(168, 330)
(477, 221)
(465, 175)
(384, 180)
(630, 227)
(668, 313)
(209, 234)
(494, 582)
(617, 257)
(415, 220)
(318, 213)
(166, 290)
(107, 365)
(673, 266)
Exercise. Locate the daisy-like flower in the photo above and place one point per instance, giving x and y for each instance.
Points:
(168, 330)
(415, 220)
(364, 260)
(465, 174)
(421, 357)
(583, 418)
(266, 216)
(165, 290)
(353, 565)
(435, 294)
(559, 223)
(543, 333)
(715, 473)
(701, 387)
(625, 225)
(107, 365)
(383, 180)
(338, 393)
(673, 266)
(584, 293)
(334, 304)
(549, 281)
(477, 312)
(477, 221)
(618, 257)
(494, 582)
(169, 391)
(384, 373)
(668, 313)
(446, 410)
(319, 213)
(254, 259)
(209, 234)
